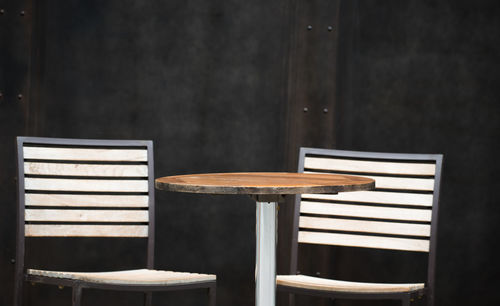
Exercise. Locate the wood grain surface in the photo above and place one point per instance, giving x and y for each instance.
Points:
(129, 277)
(263, 183)
(316, 283)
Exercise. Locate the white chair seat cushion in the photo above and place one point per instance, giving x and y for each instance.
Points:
(129, 277)
(316, 283)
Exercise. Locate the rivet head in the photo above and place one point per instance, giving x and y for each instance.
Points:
(1, 95)
(318, 274)
(309, 27)
(306, 109)
(325, 110)
(12, 261)
(20, 96)
(330, 28)
(22, 13)
(2, 11)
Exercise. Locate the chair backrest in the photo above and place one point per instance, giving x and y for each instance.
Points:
(85, 188)
(399, 214)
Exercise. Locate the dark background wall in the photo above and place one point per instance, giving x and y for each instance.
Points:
(223, 86)
(425, 79)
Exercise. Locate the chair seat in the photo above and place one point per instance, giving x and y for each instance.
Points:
(129, 277)
(316, 283)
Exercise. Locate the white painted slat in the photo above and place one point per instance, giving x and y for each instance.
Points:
(139, 155)
(85, 185)
(380, 197)
(37, 168)
(86, 200)
(347, 210)
(369, 166)
(84, 230)
(378, 227)
(74, 215)
(389, 243)
(404, 183)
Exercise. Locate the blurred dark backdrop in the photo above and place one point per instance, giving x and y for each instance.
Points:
(240, 86)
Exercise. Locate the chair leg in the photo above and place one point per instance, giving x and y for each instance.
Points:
(212, 295)
(291, 299)
(18, 293)
(430, 300)
(76, 299)
(148, 298)
(405, 301)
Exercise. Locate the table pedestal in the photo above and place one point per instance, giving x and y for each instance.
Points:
(265, 253)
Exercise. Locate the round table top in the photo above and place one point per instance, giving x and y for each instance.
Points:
(263, 183)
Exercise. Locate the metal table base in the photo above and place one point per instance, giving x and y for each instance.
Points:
(265, 252)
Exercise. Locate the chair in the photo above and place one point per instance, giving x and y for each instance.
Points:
(92, 188)
(396, 216)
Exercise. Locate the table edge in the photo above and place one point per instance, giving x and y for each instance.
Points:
(262, 190)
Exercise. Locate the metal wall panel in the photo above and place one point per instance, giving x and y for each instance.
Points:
(203, 80)
(15, 56)
(423, 76)
(312, 97)
(312, 75)
(222, 86)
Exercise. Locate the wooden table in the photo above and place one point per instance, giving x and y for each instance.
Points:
(267, 189)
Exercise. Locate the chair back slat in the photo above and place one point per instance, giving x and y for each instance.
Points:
(348, 225)
(38, 168)
(86, 188)
(86, 200)
(84, 215)
(378, 197)
(404, 183)
(365, 166)
(362, 211)
(377, 242)
(396, 215)
(67, 230)
(85, 154)
(94, 185)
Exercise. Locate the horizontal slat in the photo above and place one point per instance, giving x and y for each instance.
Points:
(380, 197)
(74, 215)
(86, 200)
(139, 155)
(404, 183)
(129, 277)
(389, 243)
(347, 210)
(369, 166)
(378, 227)
(85, 185)
(316, 283)
(65, 230)
(85, 169)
